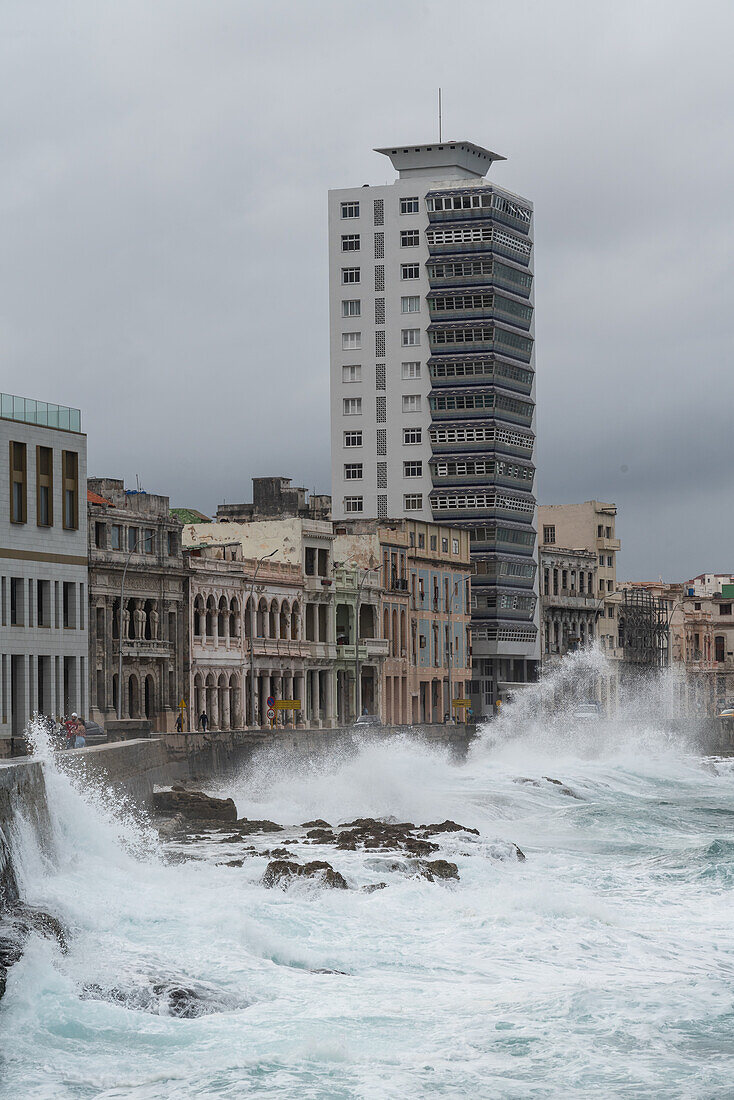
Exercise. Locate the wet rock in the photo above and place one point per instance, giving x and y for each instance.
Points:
(232, 863)
(506, 850)
(323, 836)
(563, 788)
(246, 827)
(275, 853)
(527, 782)
(326, 970)
(281, 872)
(439, 868)
(30, 919)
(168, 997)
(448, 827)
(319, 823)
(373, 886)
(420, 847)
(194, 804)
(11, 950)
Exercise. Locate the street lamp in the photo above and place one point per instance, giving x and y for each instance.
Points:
(130, 552)
(253, 625)
(357, 684)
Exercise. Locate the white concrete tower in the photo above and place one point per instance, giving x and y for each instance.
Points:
(432, 378)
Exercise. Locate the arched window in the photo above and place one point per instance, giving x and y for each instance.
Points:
(210, 613)
(234, 615)
(295, 621)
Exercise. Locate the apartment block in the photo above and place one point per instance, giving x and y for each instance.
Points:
(433, 380)
(43, 563)
(589, 526)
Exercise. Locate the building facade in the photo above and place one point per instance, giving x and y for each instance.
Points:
(589, 526)
(569, 605)
(425, 613)
(132, 534)
(433, 381)
(245, 622)
(43, 563)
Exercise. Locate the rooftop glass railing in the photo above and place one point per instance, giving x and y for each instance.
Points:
(28, 411)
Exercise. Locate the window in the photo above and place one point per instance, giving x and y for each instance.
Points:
(99, 535)
(352, 373)
(133, 540)
(411, 370)
(610, 586)
(350, 275)
(610, 561)
(410, 271)
(172, 543)
(413, 502)
(352, 307)
(608, 532)
(148, 541)
(43, 603)
(410, 304)
(434, 542)
(549, 534)
(352, 406)
(69, 605)
(610, 612)
(350, 209)
(601, 559)
(351, 341)
(116, 537)
(353, 504)
(409, 238)
(353, 471)
(352, 439)
(410, 337)
(70, 481)
(44, 487)
(18, 487)
(600, 531)
(454, 546)
(411, 402)
(444, 546)
(412, 469)
(421, 546)
(725, 609)
(350, 242)
(411, 436)
(410, 206)
(17, 589)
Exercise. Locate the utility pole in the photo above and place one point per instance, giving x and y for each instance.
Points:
(253, 625)
(130, 552)
(357, 684)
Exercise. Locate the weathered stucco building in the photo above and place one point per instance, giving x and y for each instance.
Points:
(132, 533)
(569, 604)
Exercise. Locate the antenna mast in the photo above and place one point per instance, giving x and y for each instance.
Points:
(440, 136)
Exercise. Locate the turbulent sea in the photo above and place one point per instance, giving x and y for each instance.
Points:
(603, 965)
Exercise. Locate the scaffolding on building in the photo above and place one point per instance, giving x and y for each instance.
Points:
(643, 628)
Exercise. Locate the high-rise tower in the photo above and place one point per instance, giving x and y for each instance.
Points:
(433, 381)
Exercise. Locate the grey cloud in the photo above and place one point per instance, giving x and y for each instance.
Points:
(163, 183)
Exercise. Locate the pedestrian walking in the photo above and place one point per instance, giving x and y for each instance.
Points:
(179, 725)
(203, 721)
(72, 727)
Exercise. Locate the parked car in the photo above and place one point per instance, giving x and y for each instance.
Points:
(368, 720)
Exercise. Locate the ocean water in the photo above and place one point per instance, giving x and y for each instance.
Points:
(603, 965)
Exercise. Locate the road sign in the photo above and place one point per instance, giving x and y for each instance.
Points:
(271, 713)
(461, 703)
(288, 704)
(270, 701)
(182, 704)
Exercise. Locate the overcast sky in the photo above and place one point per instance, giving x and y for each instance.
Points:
(163, 263)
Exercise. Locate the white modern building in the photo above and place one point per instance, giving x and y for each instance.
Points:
(43, 563)
(433, 381)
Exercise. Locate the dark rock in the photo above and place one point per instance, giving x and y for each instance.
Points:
(277, 853)
(372, 886)
(186, 1000)
(232, 863)
(326, 970)
(247, 827)
(527, 782)
(439, 868)
(194, 804)
(346, 844)
(420, 847)
(319, 823)
(32, 919)
(563, 788)
(448, 827)
(521, 857)
(324, 836)
(282, 872)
